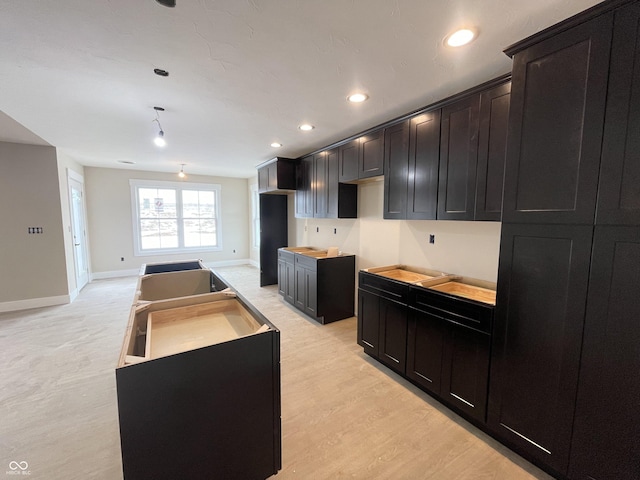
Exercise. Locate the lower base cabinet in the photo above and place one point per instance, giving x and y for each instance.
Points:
(319, 286)
(448, 349)
(382, 329)
(198, 389)
(440, 342)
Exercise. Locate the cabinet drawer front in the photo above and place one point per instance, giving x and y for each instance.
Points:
(306, 262)
(384, 287)
(285, 256)
(453, 309)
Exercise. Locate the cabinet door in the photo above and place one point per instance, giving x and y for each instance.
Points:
(458, 160)
(299, 288)
(273, 175)
(492, 150)
(619, 192)
(607, 425)
(396, 169)
(424, 158)
(319, 185)
(333, 193)
(393, 334)
(304, 193)
(349, 160)
(371, 159)
(465, 370)
(368, 322)
(311, 293)
(425, 346)
(289, 292)
(537, 335)
(282, 277)
(555, 127)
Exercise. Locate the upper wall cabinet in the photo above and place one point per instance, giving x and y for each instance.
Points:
(319, 194)
(556, 124)
(492, 148)
(619, 191)
(362, 158)
(422, 178)
(458, 159)
(304, 193)
(396, 162)
(277, 175)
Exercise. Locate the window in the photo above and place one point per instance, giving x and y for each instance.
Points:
(255, 216)
(175, 217)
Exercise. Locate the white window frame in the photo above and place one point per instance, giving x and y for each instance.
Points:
(255, 217)
(179, 187)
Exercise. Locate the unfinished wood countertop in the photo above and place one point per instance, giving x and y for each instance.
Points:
(464, 290)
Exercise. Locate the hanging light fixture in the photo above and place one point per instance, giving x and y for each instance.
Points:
(159, 140)
(182, 174)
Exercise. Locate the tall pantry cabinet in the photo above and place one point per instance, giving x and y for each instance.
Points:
(564, 388)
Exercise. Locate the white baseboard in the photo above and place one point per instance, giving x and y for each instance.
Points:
(227, 263)
(255, 263)
(114, 274)
(34, 303)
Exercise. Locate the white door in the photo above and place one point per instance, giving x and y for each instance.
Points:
(78, 231)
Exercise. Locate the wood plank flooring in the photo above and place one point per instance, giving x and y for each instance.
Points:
(343, 414)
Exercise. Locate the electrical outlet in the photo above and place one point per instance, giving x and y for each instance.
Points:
(122, 259)
(432, 239)
(234, 250)
(335, 231)
(317, 229)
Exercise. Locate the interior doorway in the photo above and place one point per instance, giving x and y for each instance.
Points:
(78, 228)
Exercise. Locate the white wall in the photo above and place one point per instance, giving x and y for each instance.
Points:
(31, 266)
(469, 249)
(254, 253)
(108, 197)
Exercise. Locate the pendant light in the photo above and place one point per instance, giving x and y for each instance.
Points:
(159, 140)
(182, 174)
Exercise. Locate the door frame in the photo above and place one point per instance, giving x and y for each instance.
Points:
(76, 180)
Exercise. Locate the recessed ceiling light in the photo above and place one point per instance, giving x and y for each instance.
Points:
(460, 37)
(276, 145)
(306, 127)
(357, 97)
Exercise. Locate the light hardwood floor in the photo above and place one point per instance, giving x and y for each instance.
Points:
(343, 414)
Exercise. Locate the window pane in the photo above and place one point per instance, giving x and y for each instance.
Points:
(200, 233)
(157, 203)
(158, 234)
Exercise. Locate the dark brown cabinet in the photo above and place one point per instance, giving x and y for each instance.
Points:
(458, 159)
(555, 131)
(371, 156)
(286, 275)
(321, 287)
(492, 149)
(349, 154)
(320, 193)
(619, 191)
(362, 157)
(542, 289)
(382, 319)
(304, 192)
(422, 178)
(396, 170)
(607, 425)
(277, 175)
(448, 349)
(306, 286)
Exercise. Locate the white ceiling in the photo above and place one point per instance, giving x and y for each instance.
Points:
(243, 73)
